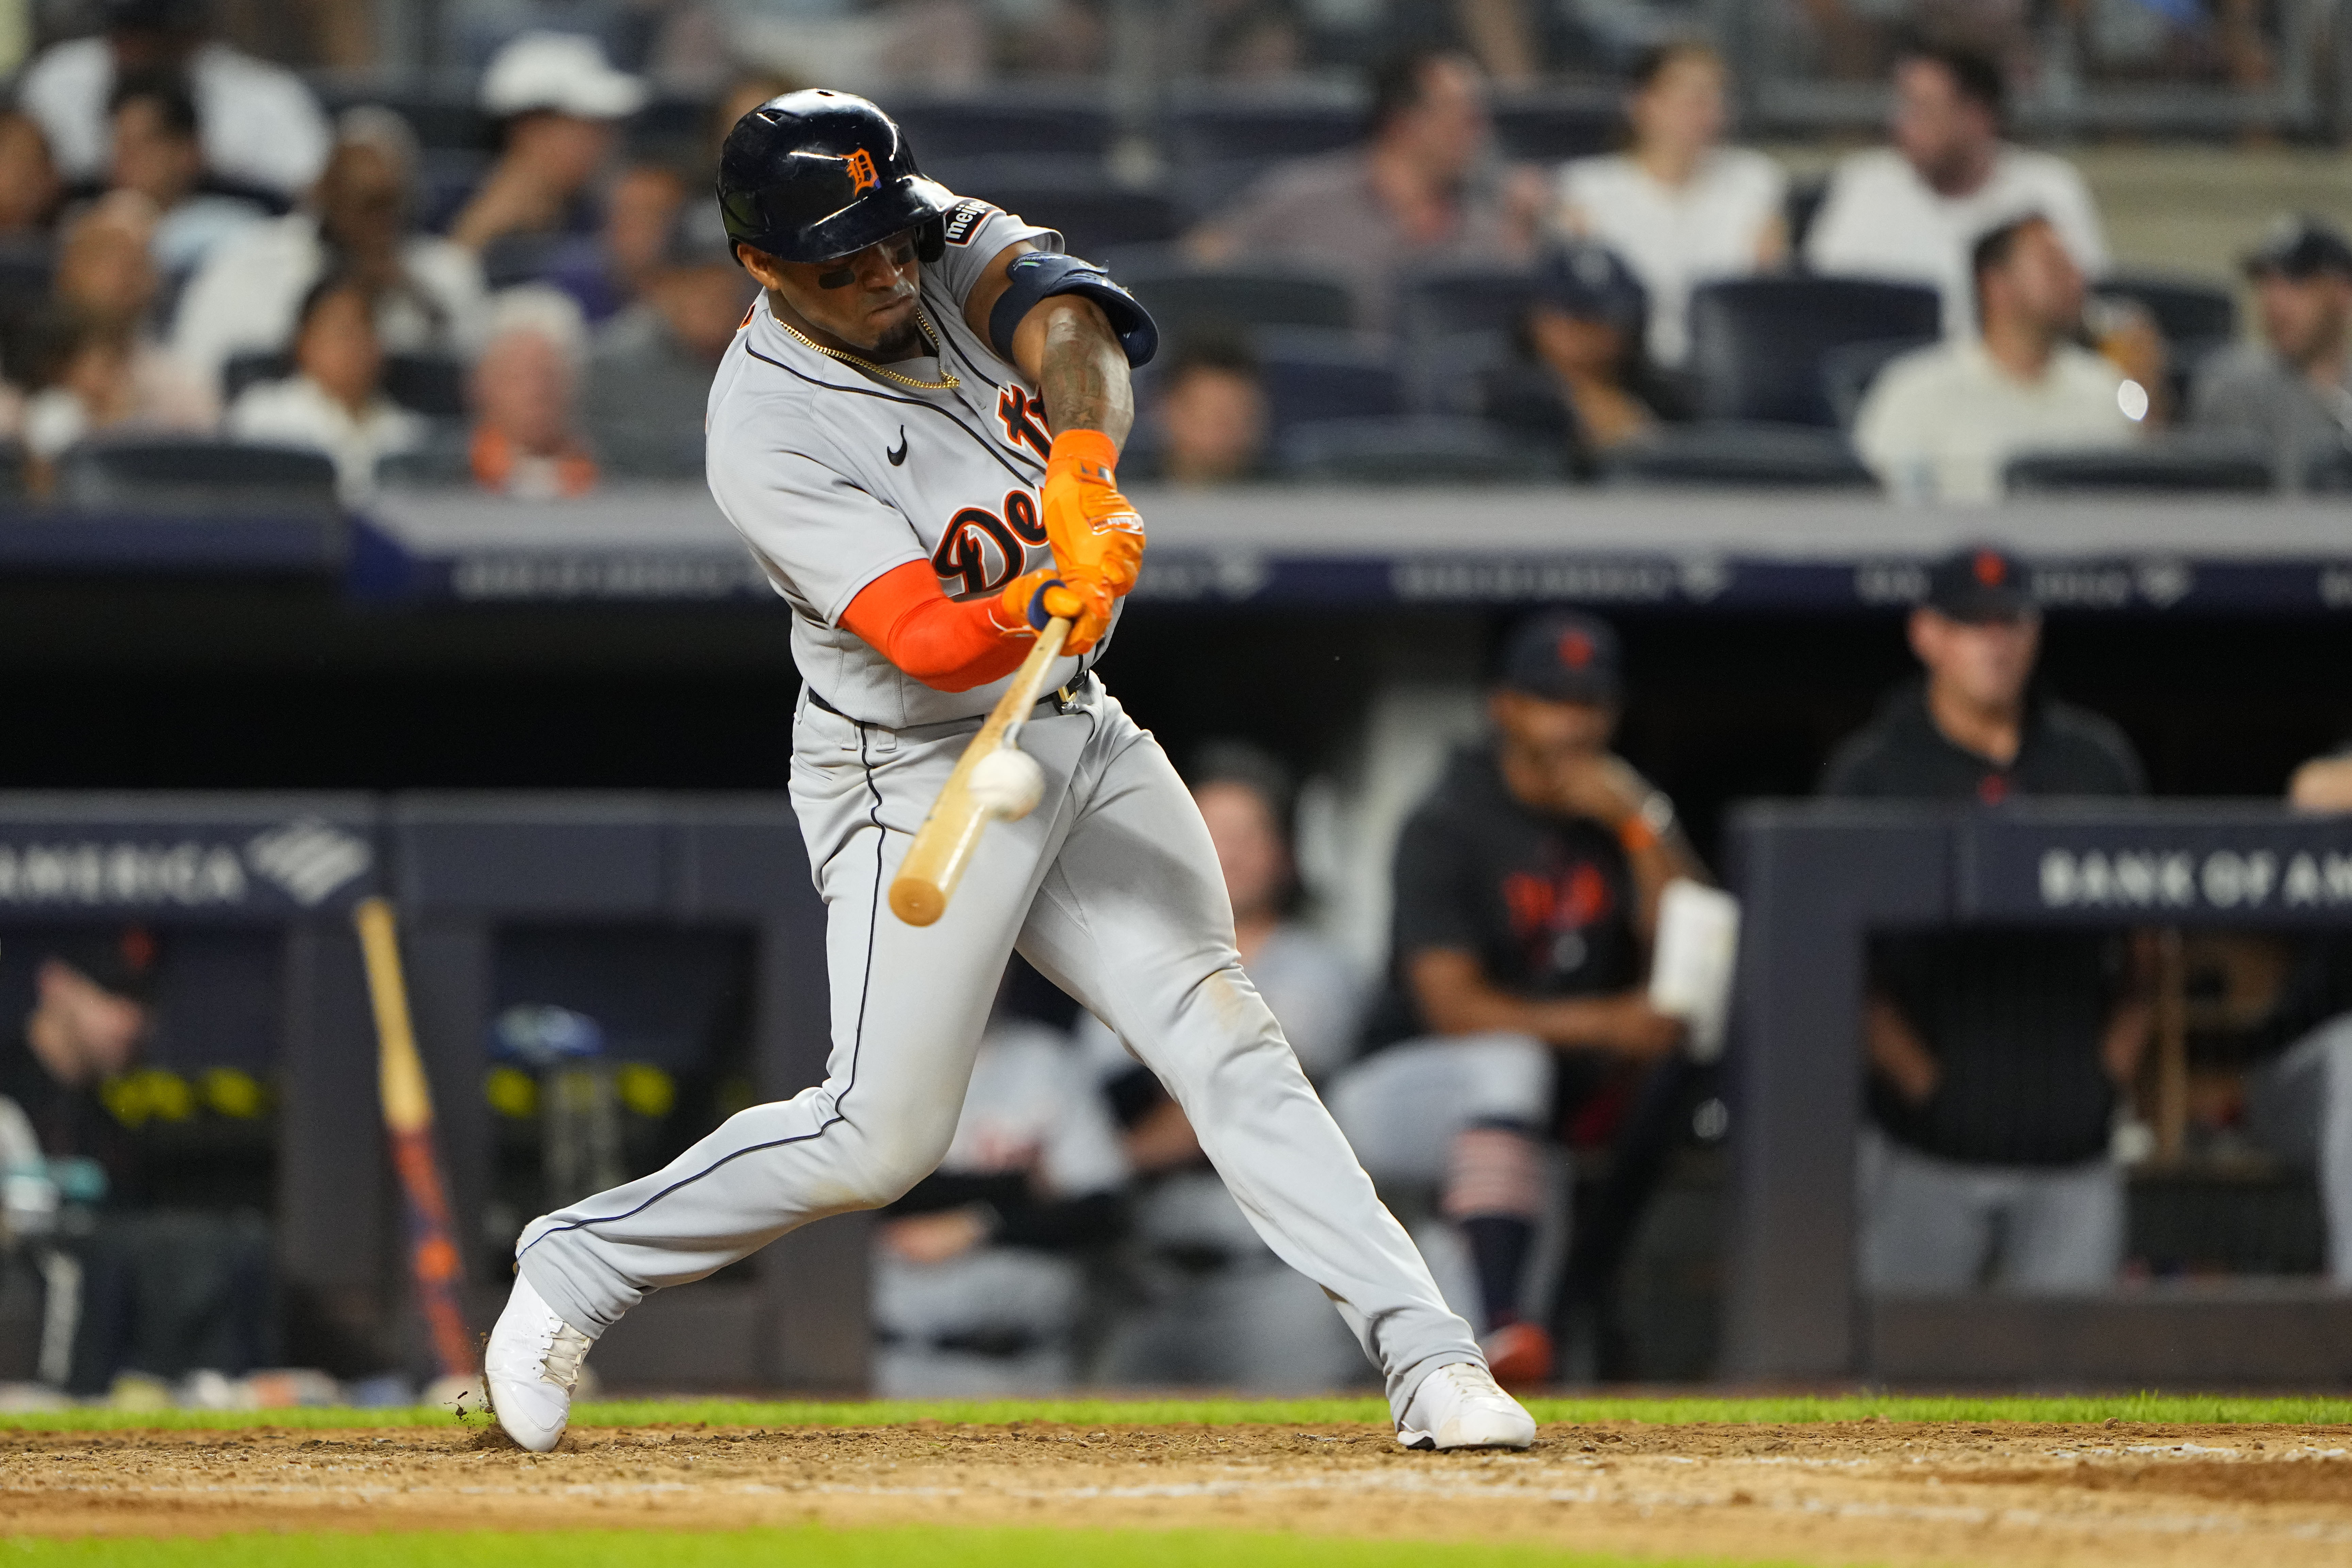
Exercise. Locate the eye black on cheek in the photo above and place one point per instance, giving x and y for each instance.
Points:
(839, 277)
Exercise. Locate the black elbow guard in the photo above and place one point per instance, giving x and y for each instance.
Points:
(1039, 276)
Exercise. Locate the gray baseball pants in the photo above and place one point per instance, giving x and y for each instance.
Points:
(1110, 887)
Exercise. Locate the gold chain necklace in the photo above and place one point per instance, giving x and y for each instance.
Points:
(947, 381)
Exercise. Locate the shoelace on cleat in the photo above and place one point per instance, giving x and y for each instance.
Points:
(565, 1352)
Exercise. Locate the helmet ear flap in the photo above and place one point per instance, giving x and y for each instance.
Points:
(931, 240)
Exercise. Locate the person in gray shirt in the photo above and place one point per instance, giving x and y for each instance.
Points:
(649, 368)
(2293, 391)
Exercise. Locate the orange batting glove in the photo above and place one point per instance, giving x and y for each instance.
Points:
(1029, 602)
(1093, 530)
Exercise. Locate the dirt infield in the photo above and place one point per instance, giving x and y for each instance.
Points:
(2012, 1495)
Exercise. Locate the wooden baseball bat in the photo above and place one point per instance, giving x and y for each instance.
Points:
(433, 1261)
(943, 845)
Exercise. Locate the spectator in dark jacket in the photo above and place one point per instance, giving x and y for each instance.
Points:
(1995, 1056)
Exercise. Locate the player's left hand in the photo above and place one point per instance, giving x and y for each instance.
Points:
(1094, 531)
(1045, 594)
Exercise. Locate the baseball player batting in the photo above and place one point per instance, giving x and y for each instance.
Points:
(916, 431)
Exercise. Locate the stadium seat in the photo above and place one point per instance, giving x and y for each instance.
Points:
(1848, 370)
(1441, 304)
(25, 268)
(1553, 126)
(1758, 343)
(151, 474)
(12, 471)
(980, 126)
(1729, 453)
(1412, 450)
(430, 384)
(1093, 217)
(2177, 463)
(1185, 302)
(1221, 141)
(241, 371)
(1312, 374)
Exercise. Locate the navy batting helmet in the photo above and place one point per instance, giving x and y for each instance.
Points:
(811, 177)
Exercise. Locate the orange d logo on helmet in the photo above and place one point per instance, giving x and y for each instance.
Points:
(862, 177)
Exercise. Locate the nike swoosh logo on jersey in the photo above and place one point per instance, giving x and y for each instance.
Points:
(898, 454)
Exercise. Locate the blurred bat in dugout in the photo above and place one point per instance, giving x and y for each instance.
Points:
(993, 778)
(433, 1255)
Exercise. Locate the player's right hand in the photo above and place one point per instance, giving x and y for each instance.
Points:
(1047, 595)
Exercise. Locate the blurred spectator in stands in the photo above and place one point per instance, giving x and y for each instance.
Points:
(260, 127)
(2293, 391)
(525, 442)
(1526, 887)
(1910, 212)
(428, 292)
(1995, 1056)
(97, 366)
(1583, 378)
(559, 106)
(334, 403)
(1679, 207)
(1245, 40)
(152, 118)
(1220, 1308)
(1209, 418)
(649, 368)
(1423, 192)
(29, 187)
(1942, 423)
(2299, 1105)
(743, 95)
(89, 1011)
(980, 1271)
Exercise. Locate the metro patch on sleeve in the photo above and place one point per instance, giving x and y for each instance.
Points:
(964, 219)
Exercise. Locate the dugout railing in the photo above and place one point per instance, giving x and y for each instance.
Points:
(461, 869)
(1816, 879)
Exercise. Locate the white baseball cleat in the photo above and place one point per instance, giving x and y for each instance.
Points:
(1459, 1406)
(532, 1364)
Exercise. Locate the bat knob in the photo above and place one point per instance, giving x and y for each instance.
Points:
(916, 901)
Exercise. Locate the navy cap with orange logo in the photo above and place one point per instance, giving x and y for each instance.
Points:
(1562, 656)
(1981, 584)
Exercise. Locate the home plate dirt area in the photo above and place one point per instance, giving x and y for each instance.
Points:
(2012, 1494)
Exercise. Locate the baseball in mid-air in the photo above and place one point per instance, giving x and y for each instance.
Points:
(1009, 782)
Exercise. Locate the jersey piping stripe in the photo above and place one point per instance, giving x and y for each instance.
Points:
(985, 445)
(857, 1041)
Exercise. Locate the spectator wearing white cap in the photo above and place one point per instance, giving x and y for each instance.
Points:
(561, 104)
(429, 297)
(526, 442)
(259, 125)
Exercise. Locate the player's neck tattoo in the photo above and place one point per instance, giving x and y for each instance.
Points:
(948, 381)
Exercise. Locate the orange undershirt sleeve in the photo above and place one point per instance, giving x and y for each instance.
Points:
(949, 645)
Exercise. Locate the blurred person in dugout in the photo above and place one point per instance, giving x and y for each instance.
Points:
(89, 360)
(1997, 1059)
(155, 151)
(1941, 424)
(980, 1271)
(1582, 378)
(429, 294)
(259, 126)
(1911, 211)
(1526, 888)
(1217, 1306)
(649, 368)
(133, 1283)
(334, 401)
(526, 441)
(559, 105)
(1207, 421)
(1425, 190)
(2291, 392)
(1677, 206)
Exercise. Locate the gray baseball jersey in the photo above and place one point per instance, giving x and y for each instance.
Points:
(835, 476)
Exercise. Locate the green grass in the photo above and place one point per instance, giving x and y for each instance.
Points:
(808, 1547)
(2165, 1409)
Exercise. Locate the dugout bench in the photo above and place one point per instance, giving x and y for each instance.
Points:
(1816, 878)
